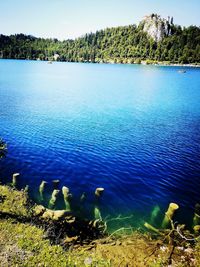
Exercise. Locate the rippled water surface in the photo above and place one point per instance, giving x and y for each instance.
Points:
(134, 130)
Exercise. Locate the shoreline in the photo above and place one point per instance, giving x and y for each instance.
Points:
(143, 62)
(28, 241)
(174, 65)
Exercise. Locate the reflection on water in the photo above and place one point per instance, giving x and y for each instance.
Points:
(133, 130)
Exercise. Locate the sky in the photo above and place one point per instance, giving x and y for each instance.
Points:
(64, 19)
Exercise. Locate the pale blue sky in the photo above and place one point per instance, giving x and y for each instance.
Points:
(64, 19)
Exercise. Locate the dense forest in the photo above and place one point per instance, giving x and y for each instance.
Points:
(127, 44)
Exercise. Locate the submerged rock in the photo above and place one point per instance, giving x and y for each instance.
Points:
(39, 210)
(48, 214)
(54, 214)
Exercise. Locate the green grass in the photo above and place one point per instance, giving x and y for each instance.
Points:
(25, 244)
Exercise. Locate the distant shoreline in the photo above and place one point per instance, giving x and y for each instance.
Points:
(175, 65)
(144, 63)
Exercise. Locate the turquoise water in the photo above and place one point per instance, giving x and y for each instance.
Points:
(134, 130)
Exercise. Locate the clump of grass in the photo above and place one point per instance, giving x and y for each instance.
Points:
(13, 201)
(24, 244)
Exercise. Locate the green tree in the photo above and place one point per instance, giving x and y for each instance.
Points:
(109, 45)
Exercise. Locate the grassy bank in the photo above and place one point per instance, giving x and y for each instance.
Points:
(25, 241)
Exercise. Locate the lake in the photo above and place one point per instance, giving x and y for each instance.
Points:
(131, 129)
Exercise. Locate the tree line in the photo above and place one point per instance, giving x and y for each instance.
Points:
(127, 44)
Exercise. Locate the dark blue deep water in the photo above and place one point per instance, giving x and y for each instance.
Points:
(134, 130)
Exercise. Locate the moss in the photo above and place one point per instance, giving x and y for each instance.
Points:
(27, 246)
(197, 254)
(13, 201)
(140, 250)
(29, 239)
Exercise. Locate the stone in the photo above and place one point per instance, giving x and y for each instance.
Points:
(156, 27)
(54, 214)
(39, 210)
(48, 214)
(58, 214)
(70, 239)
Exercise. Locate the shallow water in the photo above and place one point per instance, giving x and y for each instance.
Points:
(134, 130)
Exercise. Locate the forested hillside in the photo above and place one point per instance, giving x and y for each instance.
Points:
(127, 44)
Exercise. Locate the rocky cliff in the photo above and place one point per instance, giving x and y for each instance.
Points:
(157, 27)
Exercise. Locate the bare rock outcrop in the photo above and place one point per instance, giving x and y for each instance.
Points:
(157, 27)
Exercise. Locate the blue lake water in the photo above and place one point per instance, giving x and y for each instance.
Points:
(134, 130)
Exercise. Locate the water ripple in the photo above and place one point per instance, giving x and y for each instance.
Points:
(138, 139)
